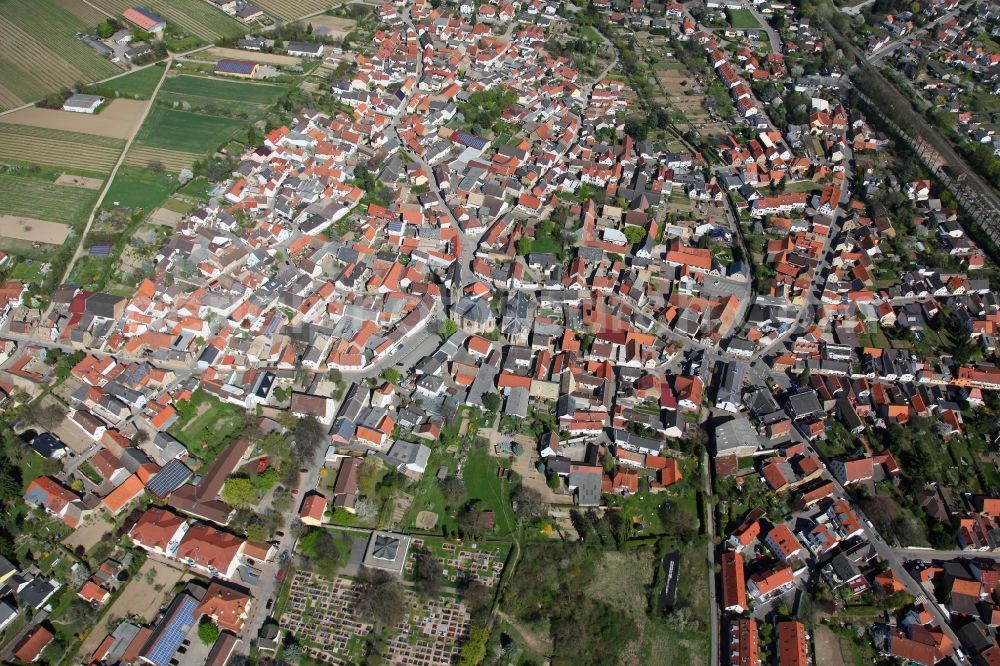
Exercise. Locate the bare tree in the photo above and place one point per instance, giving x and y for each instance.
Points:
(380, 597)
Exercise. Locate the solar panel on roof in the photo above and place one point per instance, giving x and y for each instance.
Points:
(235, 66)
(173, 634)
(169, 479)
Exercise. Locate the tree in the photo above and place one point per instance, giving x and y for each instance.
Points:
(309, 434)
(528, 504)
(207, 631)
(883, 511)
(453, 490)
(635, 234)
(368, 475)
(491, 401)
(322, 552)
(470, 522)
(608, 462)
(366, 508)
(392, 375)
(554, 482)
(427, 573)
(239, 492)
(678, 522)
(474, 650)
(47, 416)
(447, 329)
(477, 597)
(380, 597)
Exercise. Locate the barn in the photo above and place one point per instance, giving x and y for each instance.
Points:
(144, 19)
(244, 69)
(83, 103)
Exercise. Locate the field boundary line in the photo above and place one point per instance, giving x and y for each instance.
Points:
(114, 172)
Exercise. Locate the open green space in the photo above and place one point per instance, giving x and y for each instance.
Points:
(483, 484)
(222, 90)
(206, 424)
(183, 131)
(139, 84)
(44, 200)
(135, 187)
(742, 19)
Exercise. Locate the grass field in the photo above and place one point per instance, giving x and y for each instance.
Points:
(186, 132)
(742, 19)
(135, 187)
(206, 425)
(482, 483)
(58, 148)
(44, 200)
(137, 85)
(39, 51)
(223, 91)
(195, 16)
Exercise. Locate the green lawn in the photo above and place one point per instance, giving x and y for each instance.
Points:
(645, 506)
(206, 425)
(186, 132)
(482, 483)
(27, 270)
(44, 200)
(222, 90)
(742, 19)
(427, 496)
(136, 85)
(135, 187)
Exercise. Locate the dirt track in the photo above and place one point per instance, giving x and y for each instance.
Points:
(268, 58)
(116, 121)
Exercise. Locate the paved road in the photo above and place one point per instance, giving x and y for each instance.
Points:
(928, 554)
(918, 127)
(715, 627)
(887, 552)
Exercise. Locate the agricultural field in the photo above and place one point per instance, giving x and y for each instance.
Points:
(135, 187)
(139, 84)
(82, 10)
(117, 120)
(198, 17)
(288, 10)
(200, 91)
(23, 144)
(39, 198)
(40, 54)
(178, 138)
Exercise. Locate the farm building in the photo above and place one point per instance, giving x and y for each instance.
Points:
(83, 103)
(144, 19)
(243, 69)
(304, 49)
(249, 12)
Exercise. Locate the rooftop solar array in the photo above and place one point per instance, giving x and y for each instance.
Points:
(169, 479)
(173, 633)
